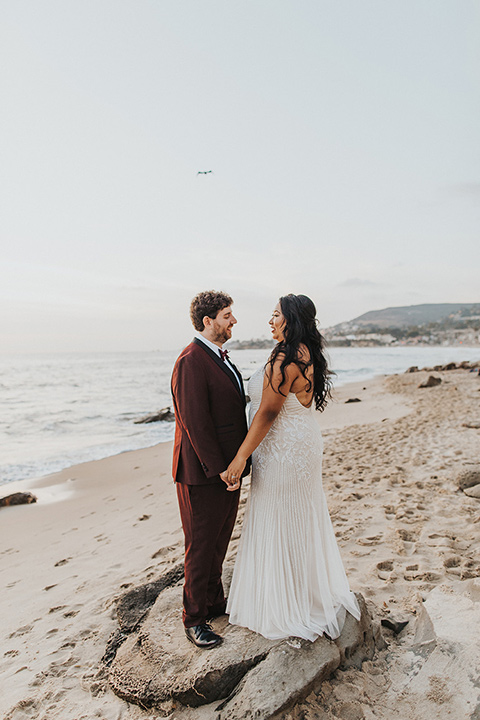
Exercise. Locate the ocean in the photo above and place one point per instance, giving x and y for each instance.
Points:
(59, 410)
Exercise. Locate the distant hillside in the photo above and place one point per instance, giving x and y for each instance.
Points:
(253, 344)
(409, 315)
(429, 324)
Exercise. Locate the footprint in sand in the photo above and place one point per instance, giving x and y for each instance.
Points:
(452, 562)
(57, 608)
(406, 535)
(8, 551)
(371, 540)
(385, 570)
(413, 572)
(71, 613)
(464, 568)
(436, 540)
(21, 631)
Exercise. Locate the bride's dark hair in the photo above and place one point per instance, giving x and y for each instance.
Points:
(301, 328)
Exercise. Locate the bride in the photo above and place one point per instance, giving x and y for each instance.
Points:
(288, 578)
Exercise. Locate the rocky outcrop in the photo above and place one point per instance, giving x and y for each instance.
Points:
(468, 477)
(473, 491)
(19, 498)
(446, 653)
(464, 365)
(430, 382)
(164, 414)
(153, 665)
(134, 604)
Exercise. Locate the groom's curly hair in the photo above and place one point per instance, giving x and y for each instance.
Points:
(207, 304)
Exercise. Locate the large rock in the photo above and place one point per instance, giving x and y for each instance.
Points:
(134, 604)
(473, 491)
(446, 654)
(19, 498)
(432, 381)
(246, 676)
(165, 414)
(468, 477)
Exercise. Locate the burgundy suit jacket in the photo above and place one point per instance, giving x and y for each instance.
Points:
(210, 416)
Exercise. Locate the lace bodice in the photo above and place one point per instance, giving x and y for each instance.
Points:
(295, 434)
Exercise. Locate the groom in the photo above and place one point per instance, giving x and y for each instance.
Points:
(209, 403)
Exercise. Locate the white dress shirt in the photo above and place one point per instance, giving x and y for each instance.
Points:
(216, 350)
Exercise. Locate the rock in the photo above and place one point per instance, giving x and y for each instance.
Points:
(412, 369)
(474, 425)
(155, 666)
(450, 366)
(163, 414)
(431, 382)
(395, 626)
(467, 478)
(445, 656)
(19, 498)
(351, 400)
(134, 604)
(473, 491)
(356, 643)
(286, 675)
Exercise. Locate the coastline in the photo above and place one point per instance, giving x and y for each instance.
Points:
(88, 412)
(104, 526)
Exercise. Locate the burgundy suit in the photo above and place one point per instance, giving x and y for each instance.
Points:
(211, 425)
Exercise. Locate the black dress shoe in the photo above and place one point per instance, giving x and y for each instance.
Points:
(203, 636)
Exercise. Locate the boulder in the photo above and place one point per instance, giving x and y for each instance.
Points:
(412, 369)
(468, 477)
(473, 491)
(352, 400)
(445, 656)
(430, 382)
(156, 667)
(19, 498)
(164, 414)
(134, 604)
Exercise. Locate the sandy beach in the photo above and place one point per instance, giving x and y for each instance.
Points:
(403, 526)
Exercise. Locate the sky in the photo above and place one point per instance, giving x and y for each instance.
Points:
(343, 142)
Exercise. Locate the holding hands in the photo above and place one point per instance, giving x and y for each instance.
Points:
(233, 474)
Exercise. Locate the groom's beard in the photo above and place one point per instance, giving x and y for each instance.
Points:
(222, 334)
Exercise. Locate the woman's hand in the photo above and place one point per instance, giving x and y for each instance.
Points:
(233, 474)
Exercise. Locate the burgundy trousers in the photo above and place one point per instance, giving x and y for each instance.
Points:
(208, 514)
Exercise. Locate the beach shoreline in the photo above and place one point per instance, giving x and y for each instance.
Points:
(105, 526)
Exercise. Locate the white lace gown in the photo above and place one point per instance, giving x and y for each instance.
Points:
(289, 578)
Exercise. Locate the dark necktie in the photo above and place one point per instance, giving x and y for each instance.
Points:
(224, 355)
